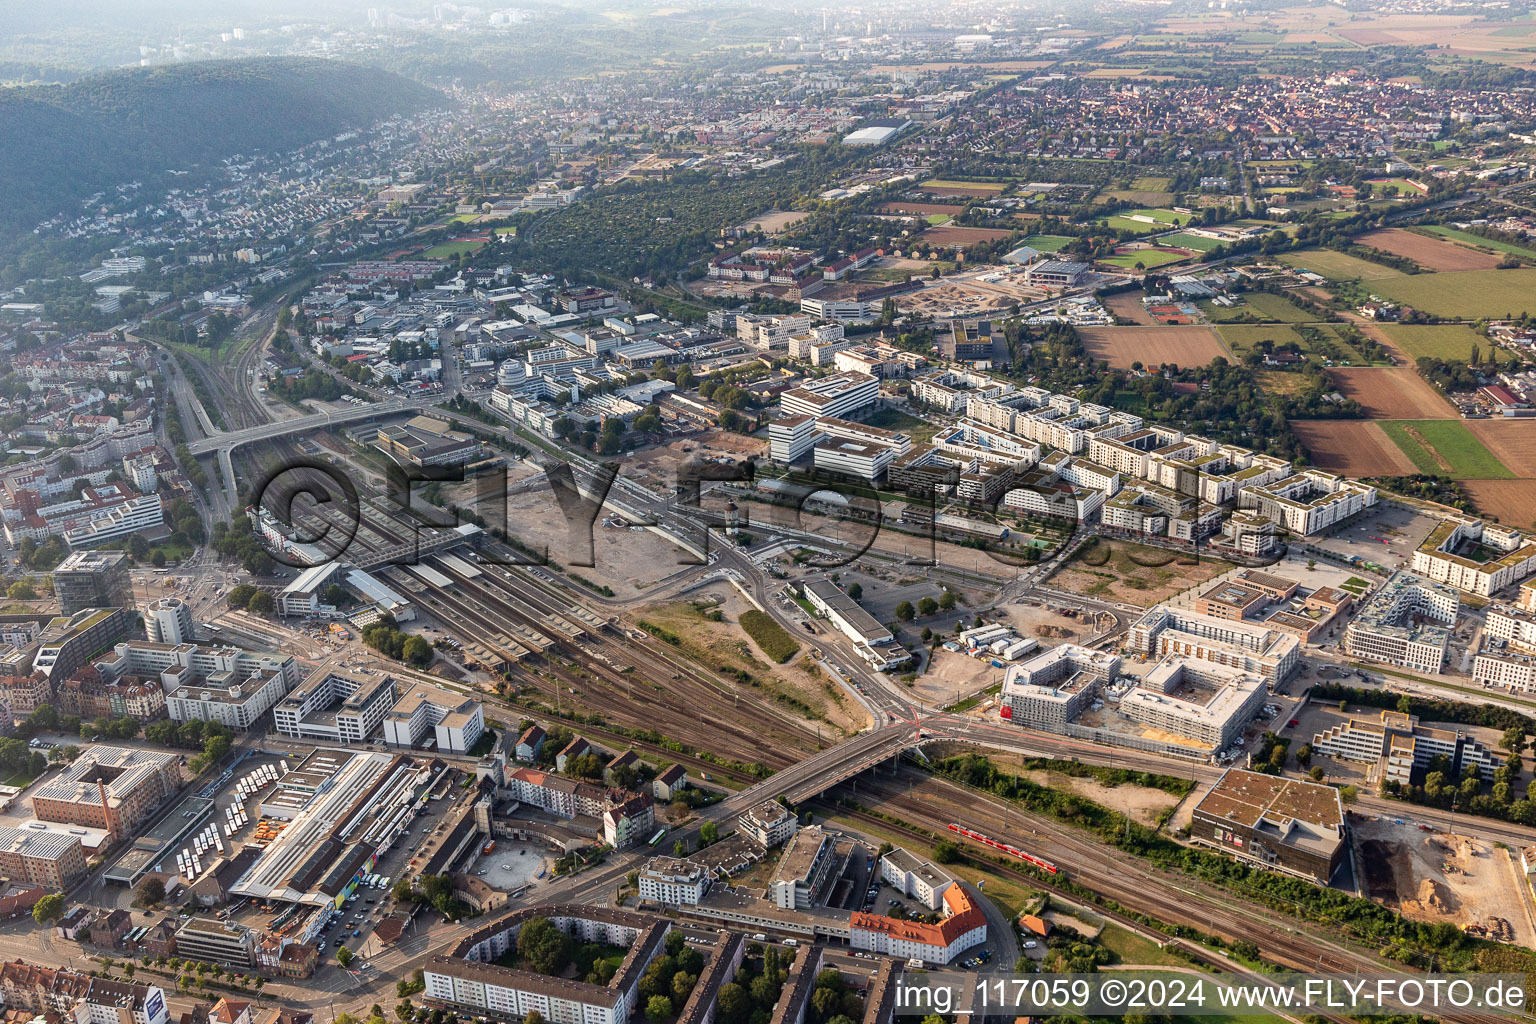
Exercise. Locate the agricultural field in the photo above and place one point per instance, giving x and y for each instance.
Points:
(1445, 447)
(1430, 253)
(1046, 243)
(1127, 306)
(904, 208)
(1513, 442)
(963, 237)
(935, 219)
(1336, 266)
(975, 189)
(1438, 341)
(1392, 393)
(1148, 183)
(1467, 295)
(1512, 502)
(1356, 448)
(1467, 238)
(1153, 346)
(1277, 307)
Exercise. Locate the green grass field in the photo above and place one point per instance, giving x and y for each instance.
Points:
(1241, 338)
(1278, 307)
(444, 250)
(1162, 219)
(1151, 184)
(1478, 242)
(983, 186)
(1148, 258)
(1465, 293)
(1187, 241)
(1046, 243)
(1439, 341)
(1404, 186)
(935, 219)
(1338, 267)
(1466, 456)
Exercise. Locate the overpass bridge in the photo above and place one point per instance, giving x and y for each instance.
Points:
(226, 441)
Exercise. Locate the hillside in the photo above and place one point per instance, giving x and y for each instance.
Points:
(69, 141)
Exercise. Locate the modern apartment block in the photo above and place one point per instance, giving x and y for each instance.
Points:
(804, 870)
(1405, 623)
(769, 823)
(1250, 646)
(71, 641)
(673, 882)
(914, 877)
(1406, 745)
(207, 683)
(1476, 556)
(1308, 502)
(1052, 688)
(92, 579)
(837, 395)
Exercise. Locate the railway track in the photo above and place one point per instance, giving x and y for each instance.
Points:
(930, 804)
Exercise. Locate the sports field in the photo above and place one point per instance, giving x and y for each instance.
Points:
(1338, 267)
(1438, 341)
(1046, 243)
(1148, 258)
(1155, 220)
(963, 187)
(1445, 447)
(1469, 294)
(444, 250)
(1185, 240)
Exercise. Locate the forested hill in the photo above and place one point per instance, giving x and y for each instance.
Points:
(70, 141)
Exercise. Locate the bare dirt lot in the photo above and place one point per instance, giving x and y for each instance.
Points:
(1427, 252)
(628, 559)
(1352, 447)
(1128, 305)
(657, 467)
(1153, 346)
(1513, 441)
(1392, 393)
(963, 237)
(1145, 805)
(1116, 570)
(952, 299)
(775, 221)
(902, 206)
(799, 679)
(1512, 502)
(1438, 877)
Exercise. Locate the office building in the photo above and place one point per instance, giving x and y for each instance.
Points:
(804, 871)
(1287, 825)
(110, 788)
(45, 858)
(217, 942)
(1406, 745)
(92, 579)
(769, 823)
(208, 683)
(839, 395)
(345, 707)
(68, 642)
(1206, 703)
(169, 621)
(454, 722)
(1250, 646)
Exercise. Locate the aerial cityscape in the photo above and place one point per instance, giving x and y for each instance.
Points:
(616, 512)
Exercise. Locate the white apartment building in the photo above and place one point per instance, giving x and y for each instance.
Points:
(1308, 502)
(169, 621)
(916, 878)
(1233, 699)
(1405, 623)
(1052, 688)
(803, 870)
(1250, 646)
(673, 882)
(791, 437)
(1515, 626)
(210, 684)
(1513, 671)
(853, 458)
(769, 824)
(971, 440)
(1442, 558)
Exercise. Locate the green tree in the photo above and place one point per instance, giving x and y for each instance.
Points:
(927, 606)
(49, 909)
(905, 611)
(658, 1008)
(709, 832)
(343, 955)
(856, 591)
(151, 891)
(947, 600)
(262, 603)
(21, 590)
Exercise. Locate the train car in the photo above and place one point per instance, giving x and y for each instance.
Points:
(1012, 851)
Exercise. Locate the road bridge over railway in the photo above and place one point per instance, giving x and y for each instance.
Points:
(227, 441)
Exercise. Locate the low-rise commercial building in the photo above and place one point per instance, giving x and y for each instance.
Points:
(1284, 824)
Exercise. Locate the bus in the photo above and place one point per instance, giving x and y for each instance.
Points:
(210, 627)
(657, 838)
